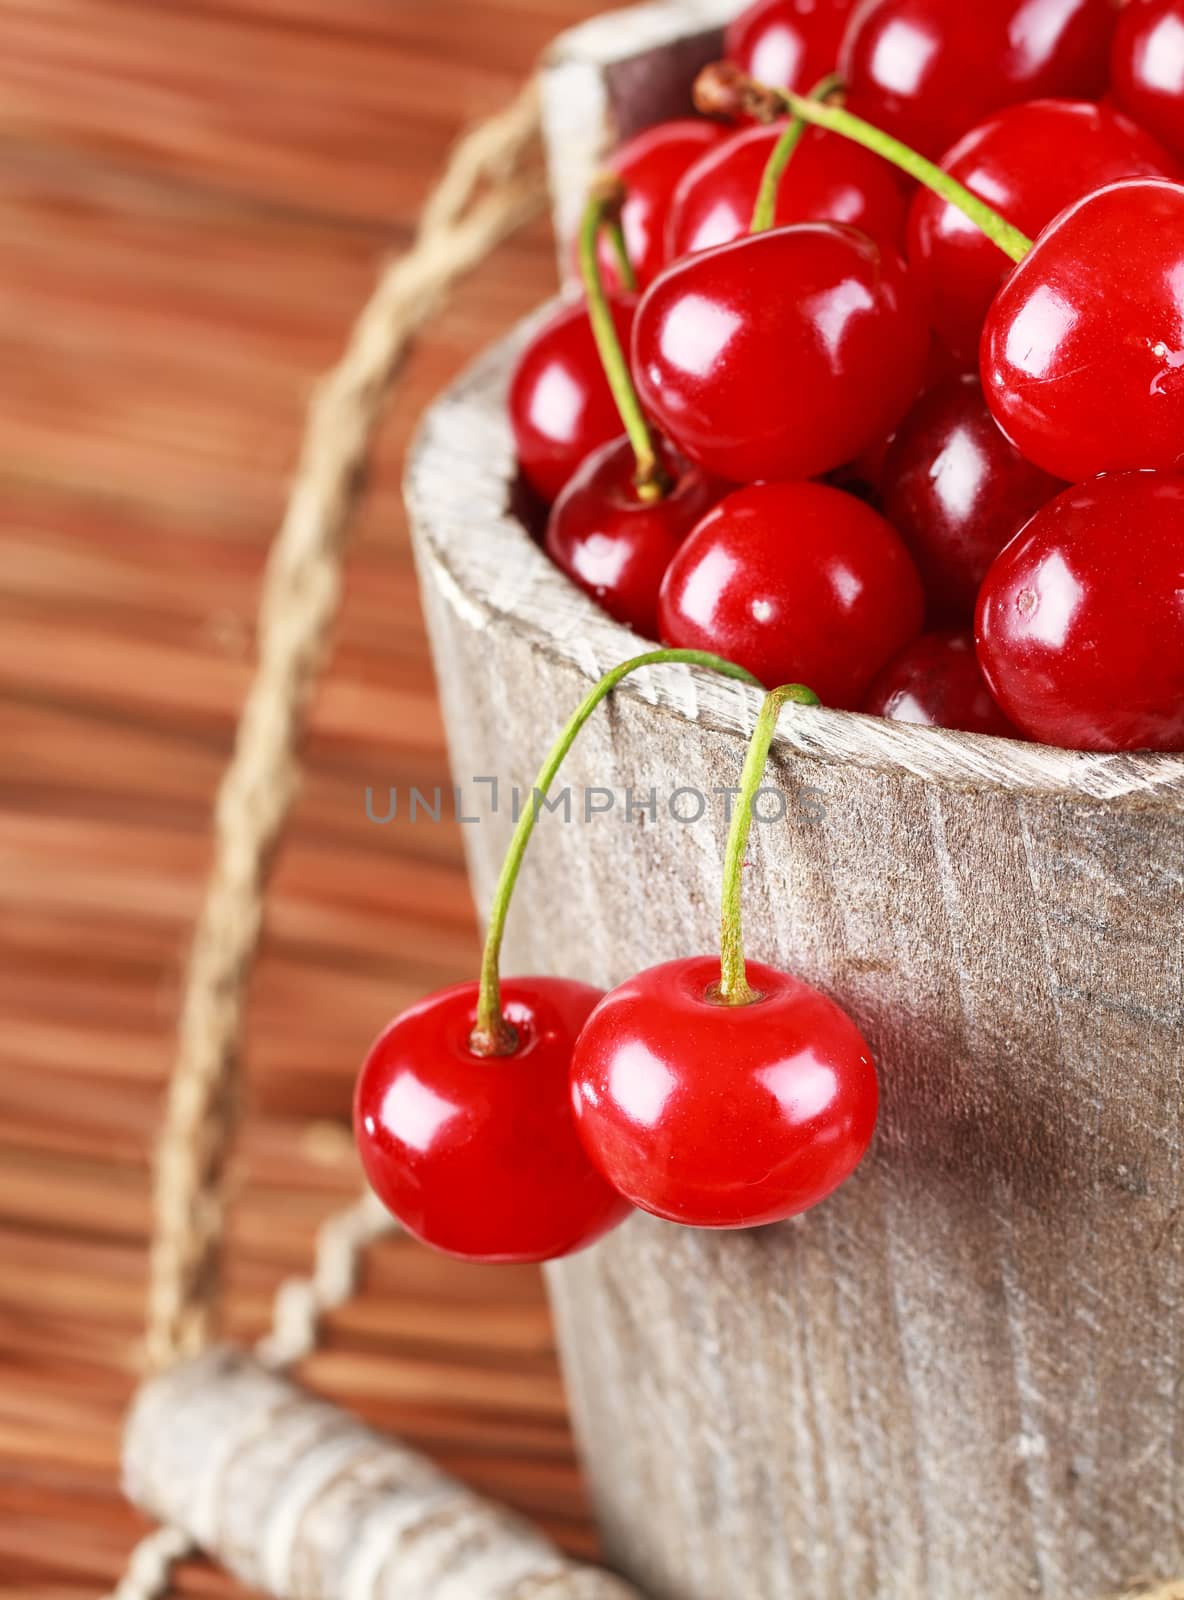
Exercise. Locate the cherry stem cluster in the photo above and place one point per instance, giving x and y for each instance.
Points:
(724, 89)
(765, 211)
(604, 211)
(733, 988)
(494, 1035)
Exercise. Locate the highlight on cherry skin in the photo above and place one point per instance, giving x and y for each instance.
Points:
(477, 1155)
(782, 355)
(956, 490)
(1082, 353)
(798, 582)
(788, 43)
(926, 70)
(829, 179)
(1147, 68)
(936, 682)
(650, 166)
(615, 545)
(560, 405)
(1009, 161)
(720, 1115)
(1081, 618)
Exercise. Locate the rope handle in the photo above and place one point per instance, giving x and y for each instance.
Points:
(489, 188)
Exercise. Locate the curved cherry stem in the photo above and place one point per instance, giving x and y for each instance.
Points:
(734, 988)
(493, 1034)
(604, 210)
(765, 210)
(724, 88)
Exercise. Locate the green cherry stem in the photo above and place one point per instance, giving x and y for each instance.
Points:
(493, 1034)
(765, 210)
(722, 87)
(616, 237)
(734, 988)
(604, 210)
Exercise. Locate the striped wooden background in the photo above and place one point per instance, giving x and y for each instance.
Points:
(194, 197)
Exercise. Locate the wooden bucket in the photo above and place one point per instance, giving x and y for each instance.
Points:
(962, 1375)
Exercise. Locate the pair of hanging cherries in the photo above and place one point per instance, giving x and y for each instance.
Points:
(791, 352)
(521, 1120)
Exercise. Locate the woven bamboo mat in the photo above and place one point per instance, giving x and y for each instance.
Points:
(194, 198)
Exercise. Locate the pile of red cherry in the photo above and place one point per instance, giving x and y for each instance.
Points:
(812, 467)
(869, 417)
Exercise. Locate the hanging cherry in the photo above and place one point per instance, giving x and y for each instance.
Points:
(927, 70)
(560, 405)
(956, 491)
(788, 43)
(936, 682)
(621, 517)
(1083, 348)
(828, 180)
(795, 581)
(648, 168)
(1147, 67)
(720, 1093)
(1081, 618)
(462, 1112)
(1029, 162)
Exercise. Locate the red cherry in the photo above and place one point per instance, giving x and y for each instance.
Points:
(650, 166)
(829, 179)
(615, 545)
(560, 404)
(1029, 162)
(1147, 67)
(956, 491)
(722, 1116)
(1081, 618)
(926, 70)
(797, 582)
(788, 44)
(1083, 348)
(478, 1155)
(782, 355)
(936, 682)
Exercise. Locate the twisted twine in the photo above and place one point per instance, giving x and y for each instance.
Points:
(301, 592)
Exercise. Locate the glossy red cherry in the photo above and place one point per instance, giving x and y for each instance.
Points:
(936, 682)
(1147, 67)
(927, 70)
(617, 546)
(560, 404)
(650, 166)
(956, 491)
(1029, 162)
(1083, 349)
(783, 355)
(829, 179)
(797, 582)
(1081, 618)
(478, 1155)
(722, 1116)
(788, 44)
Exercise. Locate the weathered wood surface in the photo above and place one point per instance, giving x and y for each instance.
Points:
(962, 1375)
(296, 1496)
